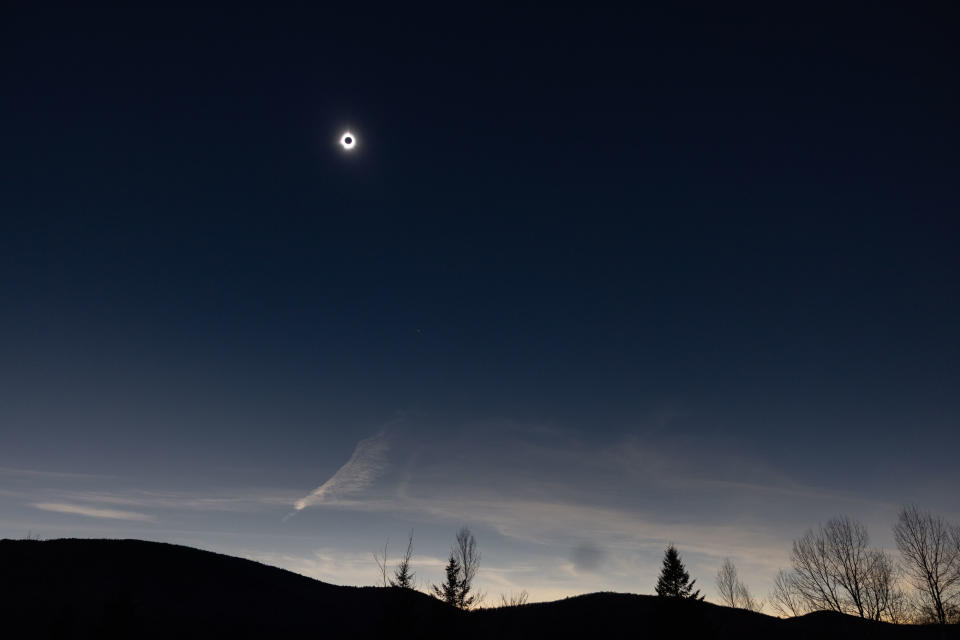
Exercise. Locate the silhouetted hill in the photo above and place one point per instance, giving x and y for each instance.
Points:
(134, 589)
(621, 615)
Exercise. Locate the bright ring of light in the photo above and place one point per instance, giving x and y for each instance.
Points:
(348, 141)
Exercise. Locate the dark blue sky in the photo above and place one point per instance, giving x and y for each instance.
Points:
(725, 237)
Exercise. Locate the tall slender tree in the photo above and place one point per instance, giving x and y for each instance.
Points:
(674, 581)
(402, 575)
(468, 557)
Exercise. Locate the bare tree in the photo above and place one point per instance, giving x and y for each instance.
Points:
(468, 557)
(835, 569)
(514, 600)
(902, 609)
(733, 592)
(747, 601)
(852, 559)
(785, 598)
(931, 553)
(726, 582)
(381, 559)
(814, 578)
(402, 576)
(885, 600)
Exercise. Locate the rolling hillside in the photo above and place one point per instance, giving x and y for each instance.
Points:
(133, 589)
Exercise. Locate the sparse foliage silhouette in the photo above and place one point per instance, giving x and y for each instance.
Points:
(930, 548)
(674, 581)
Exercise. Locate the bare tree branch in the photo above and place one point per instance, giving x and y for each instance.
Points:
(514, 600)
(381, 560)
(930, 548)
(785, 598)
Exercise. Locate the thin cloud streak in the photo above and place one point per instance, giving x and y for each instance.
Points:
(93, 512)
(240, 501)
(40, 473)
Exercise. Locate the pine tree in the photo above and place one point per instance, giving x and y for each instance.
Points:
(461, 570)
(449, 591)
(674, 581)
(402, 575)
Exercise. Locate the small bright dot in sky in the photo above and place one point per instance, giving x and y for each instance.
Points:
(348, 140)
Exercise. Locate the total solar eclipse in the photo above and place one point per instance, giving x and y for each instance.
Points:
(348, 141)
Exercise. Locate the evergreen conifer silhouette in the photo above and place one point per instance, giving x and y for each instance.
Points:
(402, 575)
(449, 591)
(674, 581)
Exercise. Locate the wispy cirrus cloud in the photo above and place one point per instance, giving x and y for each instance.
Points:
(367, 463)
(43, 473)
(93, 512)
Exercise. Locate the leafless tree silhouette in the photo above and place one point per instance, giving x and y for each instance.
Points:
(514, 600)
(381, 559)
(885, 600)
(930, 547)
(733, 592)
(727, 583)
(468, 556)
(835, 569)
(785, 599)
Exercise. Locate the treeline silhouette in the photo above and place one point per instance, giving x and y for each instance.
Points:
(834, 568)
(838, 586)
(135, 589)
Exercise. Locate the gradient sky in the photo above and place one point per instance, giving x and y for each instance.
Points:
(591, 282)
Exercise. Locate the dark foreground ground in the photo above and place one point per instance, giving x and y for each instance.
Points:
(134, 589)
